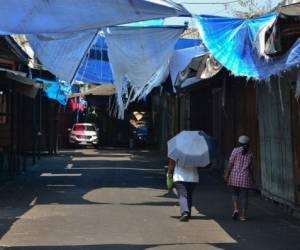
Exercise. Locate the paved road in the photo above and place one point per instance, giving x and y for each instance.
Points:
(115, 199)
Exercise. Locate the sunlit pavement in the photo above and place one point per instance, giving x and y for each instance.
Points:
(116, 199)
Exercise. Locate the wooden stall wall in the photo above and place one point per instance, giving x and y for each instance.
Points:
(295, 115)
(234, 112)
(275, 129)
(201, 109)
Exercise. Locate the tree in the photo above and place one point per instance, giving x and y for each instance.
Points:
(252, 8)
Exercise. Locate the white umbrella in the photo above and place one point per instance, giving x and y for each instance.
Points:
(189, 148)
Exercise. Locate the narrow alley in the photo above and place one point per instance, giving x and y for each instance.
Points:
(117, 199)
(149, 124)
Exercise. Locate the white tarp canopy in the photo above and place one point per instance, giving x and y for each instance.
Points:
(182, 58)
(140, 59)
(191, 65)
(60, 32)
(62, 54)
(64, 16)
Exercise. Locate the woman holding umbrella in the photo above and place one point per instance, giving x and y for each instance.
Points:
(238, 175)
(184, 179)
(187, 151)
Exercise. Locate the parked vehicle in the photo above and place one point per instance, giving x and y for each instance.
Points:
(141, 136)
(84, 134)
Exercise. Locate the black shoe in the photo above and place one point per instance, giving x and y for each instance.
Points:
(235, 215)
(184, 217)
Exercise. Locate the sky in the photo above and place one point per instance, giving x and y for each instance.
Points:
(199, 6)
(207, 7)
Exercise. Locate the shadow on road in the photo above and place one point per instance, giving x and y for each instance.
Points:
(53, 181)
(112, 247)
(77, 178)
(267, 228)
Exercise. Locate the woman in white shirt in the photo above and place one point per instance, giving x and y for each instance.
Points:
(185, 179)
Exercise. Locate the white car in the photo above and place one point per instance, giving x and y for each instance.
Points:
(83, 134)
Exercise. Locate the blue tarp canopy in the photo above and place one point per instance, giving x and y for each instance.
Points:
(232, 43)
(55, 90)
(96, 68)
(65, 16)
(154, 22)
(67, 24)
(184, 43)
(95, 71)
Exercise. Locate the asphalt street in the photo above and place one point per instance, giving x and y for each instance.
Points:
(116, 199)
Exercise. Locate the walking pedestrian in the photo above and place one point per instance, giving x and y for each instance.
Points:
(185, 179)
(238, 175)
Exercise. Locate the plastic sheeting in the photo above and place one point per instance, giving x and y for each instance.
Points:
(67, 24)
(285, 30)
(56, 90)
(232, 43)
(156, 22)
(190, 65)
(77, 15)
(95, 71)
(184, 43)
(60, 53)
(96, 67)
(200, 68)
(182, 58)
(140, 59)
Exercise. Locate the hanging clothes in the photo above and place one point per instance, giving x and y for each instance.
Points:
(78, 103)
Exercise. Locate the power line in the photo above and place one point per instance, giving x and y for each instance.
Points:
(222, 3)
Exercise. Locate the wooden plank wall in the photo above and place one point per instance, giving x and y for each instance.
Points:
(275, 141)
(234, 113)
(224, 107)
(201, 109)
(295, 115)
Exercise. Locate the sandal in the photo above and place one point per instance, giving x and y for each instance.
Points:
(184, 217)
(243, 218)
